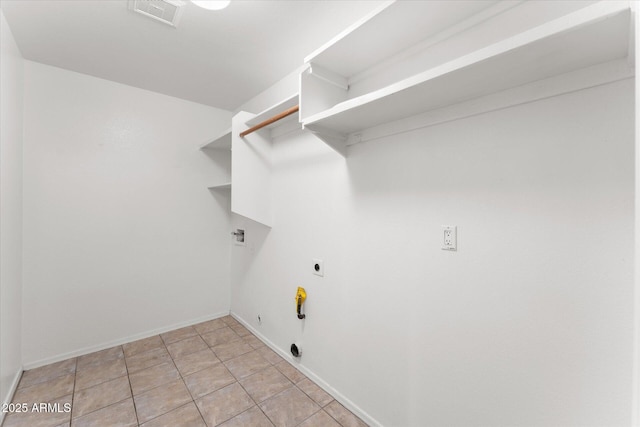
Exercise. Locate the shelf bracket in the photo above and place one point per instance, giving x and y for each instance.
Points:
(328, 76)
(333, 139)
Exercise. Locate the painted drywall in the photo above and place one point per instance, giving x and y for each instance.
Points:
(282, 89)
(11, 76)
(636, 371)
(121, 235)
(529, 323)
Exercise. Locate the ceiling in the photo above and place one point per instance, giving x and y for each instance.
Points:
(218, 58)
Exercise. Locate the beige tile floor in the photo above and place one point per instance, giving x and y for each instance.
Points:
(215, 373)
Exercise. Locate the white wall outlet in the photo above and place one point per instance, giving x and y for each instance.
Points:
(318, 267)
(449, 238)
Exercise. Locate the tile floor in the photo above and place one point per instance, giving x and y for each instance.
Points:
(215, 373)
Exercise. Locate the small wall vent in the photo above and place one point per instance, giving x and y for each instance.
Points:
(165, 11)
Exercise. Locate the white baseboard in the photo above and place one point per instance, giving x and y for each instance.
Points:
(125, 340)
(12, 391)
(311, 375)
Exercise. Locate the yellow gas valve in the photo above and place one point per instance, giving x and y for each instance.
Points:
(301, 295)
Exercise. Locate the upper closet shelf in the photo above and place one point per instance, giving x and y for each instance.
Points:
(281, 106)
(590, 36)
(222, 141)
(377, 36)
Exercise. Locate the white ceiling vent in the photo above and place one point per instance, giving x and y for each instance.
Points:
(165, 11)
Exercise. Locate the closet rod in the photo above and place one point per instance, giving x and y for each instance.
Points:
(273, 119)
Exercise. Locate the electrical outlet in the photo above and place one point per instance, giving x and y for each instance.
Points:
(318, 267)
(449, 238)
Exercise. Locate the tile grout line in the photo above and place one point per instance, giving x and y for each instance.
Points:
(41, 382)
(154, 388)
(104, 407)
(321, 408)
(214, 353)
(73, 392)
(334, 418)
(310, 397)
(182, 377)
(310, 416)
(242, 387)
(126, 367)
(237, 380)
(96, 366)
(256, 404)
(193, 400)
(187, 387)
(109, 405)
(150, 366)
(161, 385)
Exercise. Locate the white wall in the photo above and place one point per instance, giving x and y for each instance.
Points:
(121, 236)
(636, 371)
(11, 76)
(284, 88)
(529, 323)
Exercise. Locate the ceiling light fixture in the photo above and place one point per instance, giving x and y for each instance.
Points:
(211, 4)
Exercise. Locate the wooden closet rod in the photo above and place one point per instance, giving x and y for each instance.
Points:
(273, 119)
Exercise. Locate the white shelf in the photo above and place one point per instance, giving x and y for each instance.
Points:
(225, 186)
(377, 36)
(222, 141)
(281, 106)
(590, 36)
